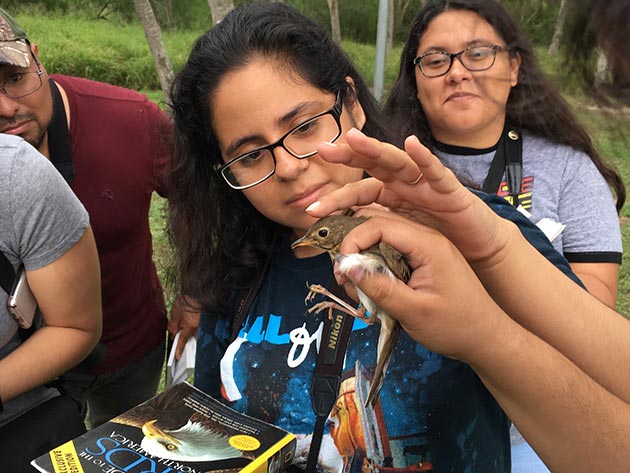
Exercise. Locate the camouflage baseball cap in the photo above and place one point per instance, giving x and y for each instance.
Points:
(14, 48)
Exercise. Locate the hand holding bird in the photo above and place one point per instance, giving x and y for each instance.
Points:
(328, 234)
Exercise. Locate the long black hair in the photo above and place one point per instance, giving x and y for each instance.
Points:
(221, 241)
(534, 104)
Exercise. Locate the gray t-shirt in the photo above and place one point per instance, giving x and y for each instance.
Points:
(558, 183)
(40, 219)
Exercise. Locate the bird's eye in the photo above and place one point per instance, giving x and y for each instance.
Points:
(170, 446)
(323, 232)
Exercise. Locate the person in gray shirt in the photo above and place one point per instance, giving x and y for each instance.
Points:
(45, 228)
(469, 88)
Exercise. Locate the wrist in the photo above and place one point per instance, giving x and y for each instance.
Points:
(498, 249)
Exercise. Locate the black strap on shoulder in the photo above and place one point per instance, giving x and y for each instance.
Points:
(327, 377)
(7, 273)
(508, 159)
(246, 299)
(59, 145)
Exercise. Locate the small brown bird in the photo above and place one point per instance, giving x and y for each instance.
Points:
(327, 234)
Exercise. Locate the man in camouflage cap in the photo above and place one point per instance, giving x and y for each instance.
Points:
(113, 146)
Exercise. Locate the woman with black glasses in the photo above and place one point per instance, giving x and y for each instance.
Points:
(470, 89)
(259, 93)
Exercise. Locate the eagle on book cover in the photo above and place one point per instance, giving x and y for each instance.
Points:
(172, 432)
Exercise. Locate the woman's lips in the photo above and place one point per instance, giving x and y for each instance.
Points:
(460, 96)
(306, 198)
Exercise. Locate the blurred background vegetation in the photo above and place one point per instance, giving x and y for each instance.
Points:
(103, 40)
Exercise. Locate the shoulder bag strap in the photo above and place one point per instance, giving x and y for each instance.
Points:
(508, 159)
(59, 144)
(7, 273)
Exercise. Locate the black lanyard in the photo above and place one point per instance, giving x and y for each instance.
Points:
(332, 350)
(327, 377)
(59, 145)
(509, 159)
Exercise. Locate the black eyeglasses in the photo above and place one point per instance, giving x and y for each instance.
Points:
(301, 141)
(21, 84)
(473, 58)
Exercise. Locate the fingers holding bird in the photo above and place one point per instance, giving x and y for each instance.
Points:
(443, 306)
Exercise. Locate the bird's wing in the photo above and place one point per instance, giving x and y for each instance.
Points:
(394, 260)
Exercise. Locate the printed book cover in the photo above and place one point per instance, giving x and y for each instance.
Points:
(180, 430)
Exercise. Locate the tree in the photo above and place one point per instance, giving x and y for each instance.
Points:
(220, 8)
(398, 10)
(156, 45)
(557, 32)
(335, 27)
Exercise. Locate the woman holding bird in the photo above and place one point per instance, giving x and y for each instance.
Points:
(259, 93)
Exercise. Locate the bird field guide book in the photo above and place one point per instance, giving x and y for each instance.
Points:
(180, 430)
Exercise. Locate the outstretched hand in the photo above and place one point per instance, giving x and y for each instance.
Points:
(414, 183)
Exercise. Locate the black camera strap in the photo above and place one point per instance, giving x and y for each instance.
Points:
(508, 159)
(59, 144)
(327, 377)
(332, 350)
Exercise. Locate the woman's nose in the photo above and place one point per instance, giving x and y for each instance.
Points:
(288, 167)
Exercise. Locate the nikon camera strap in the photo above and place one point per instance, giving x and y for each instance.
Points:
(327, 377)
(508, 159)
(332, 350)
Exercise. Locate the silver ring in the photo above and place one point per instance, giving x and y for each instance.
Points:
(416, 180)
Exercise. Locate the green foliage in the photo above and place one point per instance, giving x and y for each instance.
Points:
(536, 17)
(117, 52)
(113, 52)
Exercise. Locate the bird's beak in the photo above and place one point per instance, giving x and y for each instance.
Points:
(304, 241)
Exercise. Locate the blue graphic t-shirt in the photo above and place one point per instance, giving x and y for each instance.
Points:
(434, 413)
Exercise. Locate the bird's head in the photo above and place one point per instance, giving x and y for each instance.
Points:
(328, 233)
(191, 442)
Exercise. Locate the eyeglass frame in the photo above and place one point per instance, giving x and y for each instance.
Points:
(335, 111)
(495, 47)
(39, 72)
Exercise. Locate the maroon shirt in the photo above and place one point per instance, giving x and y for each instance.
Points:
(121, 149)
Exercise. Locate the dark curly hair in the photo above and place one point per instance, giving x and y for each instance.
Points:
(534, 104)
(221, 241)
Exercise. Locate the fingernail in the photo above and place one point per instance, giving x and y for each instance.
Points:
(355, 274)
(326, 144)
(355, 131)
(313, 206)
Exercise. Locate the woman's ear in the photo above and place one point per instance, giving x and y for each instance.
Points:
(356, 110)
(515, 67)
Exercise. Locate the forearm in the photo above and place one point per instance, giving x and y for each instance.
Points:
(572, 422)
(547, 303)
(46, 354)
